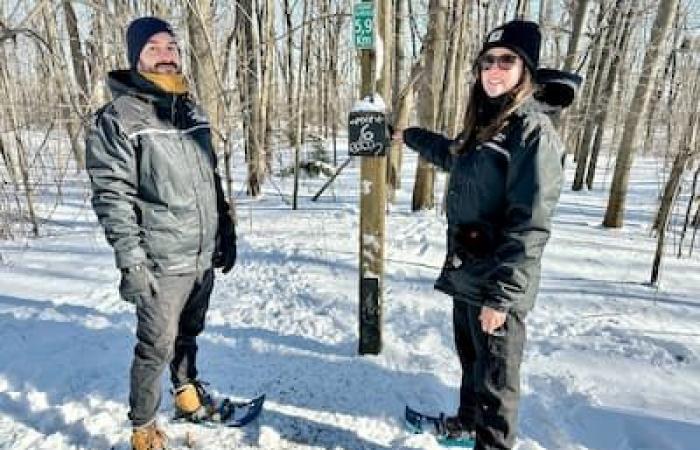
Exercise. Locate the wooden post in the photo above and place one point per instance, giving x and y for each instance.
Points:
(372, 207)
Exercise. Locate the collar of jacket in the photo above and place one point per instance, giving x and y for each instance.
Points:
(530, 106)
(171, 83)
(131, 82)
(491, 107)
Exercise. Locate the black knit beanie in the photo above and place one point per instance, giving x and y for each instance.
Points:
(521, 36)
(138, 34)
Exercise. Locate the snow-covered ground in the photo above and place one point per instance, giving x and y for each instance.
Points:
(611, 362)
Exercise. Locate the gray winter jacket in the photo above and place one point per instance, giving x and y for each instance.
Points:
(153, 172)
(500, 200)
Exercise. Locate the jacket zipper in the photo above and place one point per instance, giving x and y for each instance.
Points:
(194, 185)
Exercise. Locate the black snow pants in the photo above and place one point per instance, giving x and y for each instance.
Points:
(490, 389)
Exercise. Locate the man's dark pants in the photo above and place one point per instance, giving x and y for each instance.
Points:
(167, 326)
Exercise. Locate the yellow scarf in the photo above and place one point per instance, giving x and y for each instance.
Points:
(173, 83)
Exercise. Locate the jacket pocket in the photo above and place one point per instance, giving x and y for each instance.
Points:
(157, 217)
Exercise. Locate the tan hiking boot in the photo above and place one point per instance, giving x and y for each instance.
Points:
(149, 437)
(193, 403)
(187, 399)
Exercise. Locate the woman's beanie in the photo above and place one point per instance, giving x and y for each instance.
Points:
(521, 36)
(138, 34)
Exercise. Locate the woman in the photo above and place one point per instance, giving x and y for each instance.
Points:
(505, 179)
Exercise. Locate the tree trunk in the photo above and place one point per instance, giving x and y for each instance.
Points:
(607, 93)
(8, 155)
(463, 63)
(665, 78)
(250, 85)
(429, 93)
(687, 148)
(522, 9)
(202, 65)
(400, 115)
(571, 57)
(614, 215)
(77, 57)
(689, 209)
(447, 105)
(267, 95)
(334, 79)
(24, 164)
(289, 72)
(596, 109)
(579, 114)
(578, 23)
(298, 106)
(306, 111)
(669, 198)
(63, 87)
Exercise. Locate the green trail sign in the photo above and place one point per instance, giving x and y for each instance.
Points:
(363, 19)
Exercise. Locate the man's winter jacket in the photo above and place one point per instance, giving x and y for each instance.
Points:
(153, 171)
(500, 200)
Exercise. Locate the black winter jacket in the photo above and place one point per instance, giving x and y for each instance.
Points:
(153, 172)
(500, 200)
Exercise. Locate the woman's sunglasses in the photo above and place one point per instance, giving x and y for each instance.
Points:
(504, 62)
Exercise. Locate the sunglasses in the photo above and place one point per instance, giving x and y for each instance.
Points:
(504, 62)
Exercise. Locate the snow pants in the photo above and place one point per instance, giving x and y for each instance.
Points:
(166, 330)
(490, 388)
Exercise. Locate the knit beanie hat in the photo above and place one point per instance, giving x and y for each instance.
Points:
(521, 36)
(138, 34)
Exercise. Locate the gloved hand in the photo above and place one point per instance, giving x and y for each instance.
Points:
(137, 281)
(225, 254)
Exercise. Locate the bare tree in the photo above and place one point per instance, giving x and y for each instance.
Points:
(250, 82)
(202, 61)
(689, 210)
(399, 107)
(298, 101)
(687, 151)
(607, 94)
(614, 214)
(579, 20)
(429, 90)
(595, 108)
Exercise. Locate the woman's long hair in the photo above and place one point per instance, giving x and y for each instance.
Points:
(525, 88)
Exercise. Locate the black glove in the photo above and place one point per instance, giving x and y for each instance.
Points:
(137, 282)
(225, 254)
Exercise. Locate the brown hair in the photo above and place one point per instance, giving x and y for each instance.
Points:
(525, 88)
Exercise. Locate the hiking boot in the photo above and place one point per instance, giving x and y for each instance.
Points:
(192, 401)
(149, 437)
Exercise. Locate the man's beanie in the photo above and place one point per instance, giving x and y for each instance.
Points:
(138, 34)
(521, 36)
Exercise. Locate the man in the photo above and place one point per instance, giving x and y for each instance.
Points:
(159, 199)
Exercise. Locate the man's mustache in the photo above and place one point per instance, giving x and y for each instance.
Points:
(167, 64)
